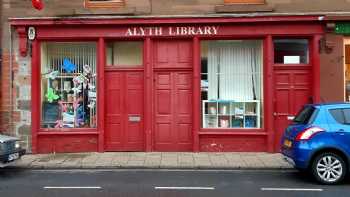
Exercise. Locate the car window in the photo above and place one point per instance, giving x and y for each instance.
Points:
(347, 115)
(338, 115)
(303, 117)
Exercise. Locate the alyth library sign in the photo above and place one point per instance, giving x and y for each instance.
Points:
(172, 31)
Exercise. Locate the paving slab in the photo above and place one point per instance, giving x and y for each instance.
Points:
(155, 160)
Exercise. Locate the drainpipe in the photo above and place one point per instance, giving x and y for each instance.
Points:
(11, 81)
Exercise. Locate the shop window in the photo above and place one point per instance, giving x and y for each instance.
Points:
(104, 3)
(125, 54)
(245, 1)
(68, 85)
(231, 84)
(291, 51)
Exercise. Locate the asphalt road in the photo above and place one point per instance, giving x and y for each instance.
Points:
(168, 183)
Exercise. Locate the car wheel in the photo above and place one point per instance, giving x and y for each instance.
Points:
(329, 168)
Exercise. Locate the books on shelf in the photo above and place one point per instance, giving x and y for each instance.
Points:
(231, 114)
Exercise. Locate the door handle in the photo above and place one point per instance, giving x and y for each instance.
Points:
(280, 114)
(340, 132)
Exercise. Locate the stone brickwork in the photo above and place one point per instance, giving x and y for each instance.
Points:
(15, 109)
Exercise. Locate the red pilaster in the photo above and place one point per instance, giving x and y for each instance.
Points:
(316, 69)
(196, 93)
(35, 102)
(148, 93)
(100, 94)
(269, 98)
(22, 39)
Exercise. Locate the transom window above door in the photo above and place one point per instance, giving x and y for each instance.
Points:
(291, 51)
(124, 54)
(104, 3)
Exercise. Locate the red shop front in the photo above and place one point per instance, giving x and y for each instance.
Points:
(169, 84)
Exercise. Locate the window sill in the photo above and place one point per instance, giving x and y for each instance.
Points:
(243, 8)
(67, 131)
(106, 11)
(246, 132)
(115, 4)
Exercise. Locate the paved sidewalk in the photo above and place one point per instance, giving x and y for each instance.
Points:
(154, 160)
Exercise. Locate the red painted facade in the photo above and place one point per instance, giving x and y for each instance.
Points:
(170, 76)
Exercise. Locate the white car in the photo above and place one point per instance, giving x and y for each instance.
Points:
(10, 150)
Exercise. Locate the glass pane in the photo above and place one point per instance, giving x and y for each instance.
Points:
(231, 83)
(291, 51)
(68, 85)
(338, 115)
(125, 54)
(347, 115)
(304, 115)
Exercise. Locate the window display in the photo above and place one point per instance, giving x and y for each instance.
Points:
(68, 85)
(231, 84)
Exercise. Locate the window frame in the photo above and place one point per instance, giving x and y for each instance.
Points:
(343, 115)
(123, 66)
(306, 115)
(238, 130)
(106, 4)
(309, 58)
(65, 130)
(260, 2)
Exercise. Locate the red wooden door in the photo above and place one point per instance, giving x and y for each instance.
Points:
(292, 91)
(173, 95)
(124, 111)
(173, 111)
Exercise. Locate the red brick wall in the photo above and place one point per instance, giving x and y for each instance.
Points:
(332, 69)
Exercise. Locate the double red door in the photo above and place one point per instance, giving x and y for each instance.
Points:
(171, 100)
(292, 91)
(124, 111)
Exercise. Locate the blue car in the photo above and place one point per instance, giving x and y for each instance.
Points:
(318, 141)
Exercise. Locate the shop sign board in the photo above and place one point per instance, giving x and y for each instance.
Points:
(172, 31)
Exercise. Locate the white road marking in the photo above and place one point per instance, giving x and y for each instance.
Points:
(184, 188)
(51, 187)
(292, 189)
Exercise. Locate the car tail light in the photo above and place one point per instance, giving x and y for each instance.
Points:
(308, 133)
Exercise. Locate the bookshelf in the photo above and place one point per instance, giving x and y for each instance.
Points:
(231, 114)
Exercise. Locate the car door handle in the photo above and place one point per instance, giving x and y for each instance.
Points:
(341, 132)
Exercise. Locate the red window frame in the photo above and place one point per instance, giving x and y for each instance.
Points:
(244, 1)
(104, 4)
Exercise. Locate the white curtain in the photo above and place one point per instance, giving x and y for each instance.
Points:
(234, 70)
